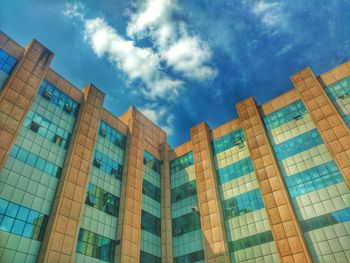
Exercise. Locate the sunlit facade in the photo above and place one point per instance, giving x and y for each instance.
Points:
(78, 184)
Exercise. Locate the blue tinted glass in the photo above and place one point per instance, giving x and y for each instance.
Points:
(108, 165)
(56, 97)
(23, 213)
(235, 138)
(7, 223)
(18, 227)
(338, 93)
(12, 210)
(235, 170)
(181, 163)
(112, 135)
(152, 162)
(28, 230)
(297, 144)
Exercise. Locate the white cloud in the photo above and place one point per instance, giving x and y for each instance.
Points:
(159, 115)
(155, 11)
(284, 50)
(183, 52)
(186, 54)
(172, 48)
(270, 13)
(136, 62)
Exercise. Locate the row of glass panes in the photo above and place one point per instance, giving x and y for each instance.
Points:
(102, 200)
(150, 190)
(150, 223)
(47, 129)
(183, 191)
(181, 163)
(95, 245)
(35, 161)
(235, 138)
(152, 162)
(112, 135)
(107, 165)
(21, 221)
(58, 98)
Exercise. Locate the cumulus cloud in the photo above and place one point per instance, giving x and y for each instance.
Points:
(269, 12)
(159, 115)
(184, 52)
(173, 49)
(138, 63)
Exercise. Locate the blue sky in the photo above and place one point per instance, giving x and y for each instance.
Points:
(183, 62)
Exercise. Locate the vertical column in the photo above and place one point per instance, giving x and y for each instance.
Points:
(129, 220)
(326, 118)
(62, 230)
(285, 227)
(167, 239)
(19, 92)
(215, 243)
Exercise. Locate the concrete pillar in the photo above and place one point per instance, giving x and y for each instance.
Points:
(215, 243)
(61, 233)
(327, 120)
(166, 223)
(284, 224)
(19, 92)
(129, 219)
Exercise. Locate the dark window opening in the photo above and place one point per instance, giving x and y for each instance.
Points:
(47, 95)
(102, 133)
(34, 126)
(97, 163)
(67, 108)
(90, 199)
(57, 139)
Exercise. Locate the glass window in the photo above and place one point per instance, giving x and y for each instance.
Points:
(96, 246)
(22, 221)
(181, 163)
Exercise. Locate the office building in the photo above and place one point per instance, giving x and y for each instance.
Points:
(78, 184)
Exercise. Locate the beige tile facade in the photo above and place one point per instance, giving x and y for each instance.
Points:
(325, 116)
(285, 227)
(215, 243)
(20, 90)
(167, 244)
(64, 222)
(60, 238)
(142, 135)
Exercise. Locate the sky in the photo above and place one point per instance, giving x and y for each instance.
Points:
(183, 62)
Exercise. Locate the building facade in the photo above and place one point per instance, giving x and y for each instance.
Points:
(78, 184)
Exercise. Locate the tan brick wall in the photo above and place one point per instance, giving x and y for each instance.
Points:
(180, 150)
(280, 102)
(114, 122)
(285, 227)
(19, 91)
(215, 243)
(63, 85)
(142, 135)
(166, 223)
(224, 129)
(11, 46)
(326, 118)
(64, 222)
(335, 74)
